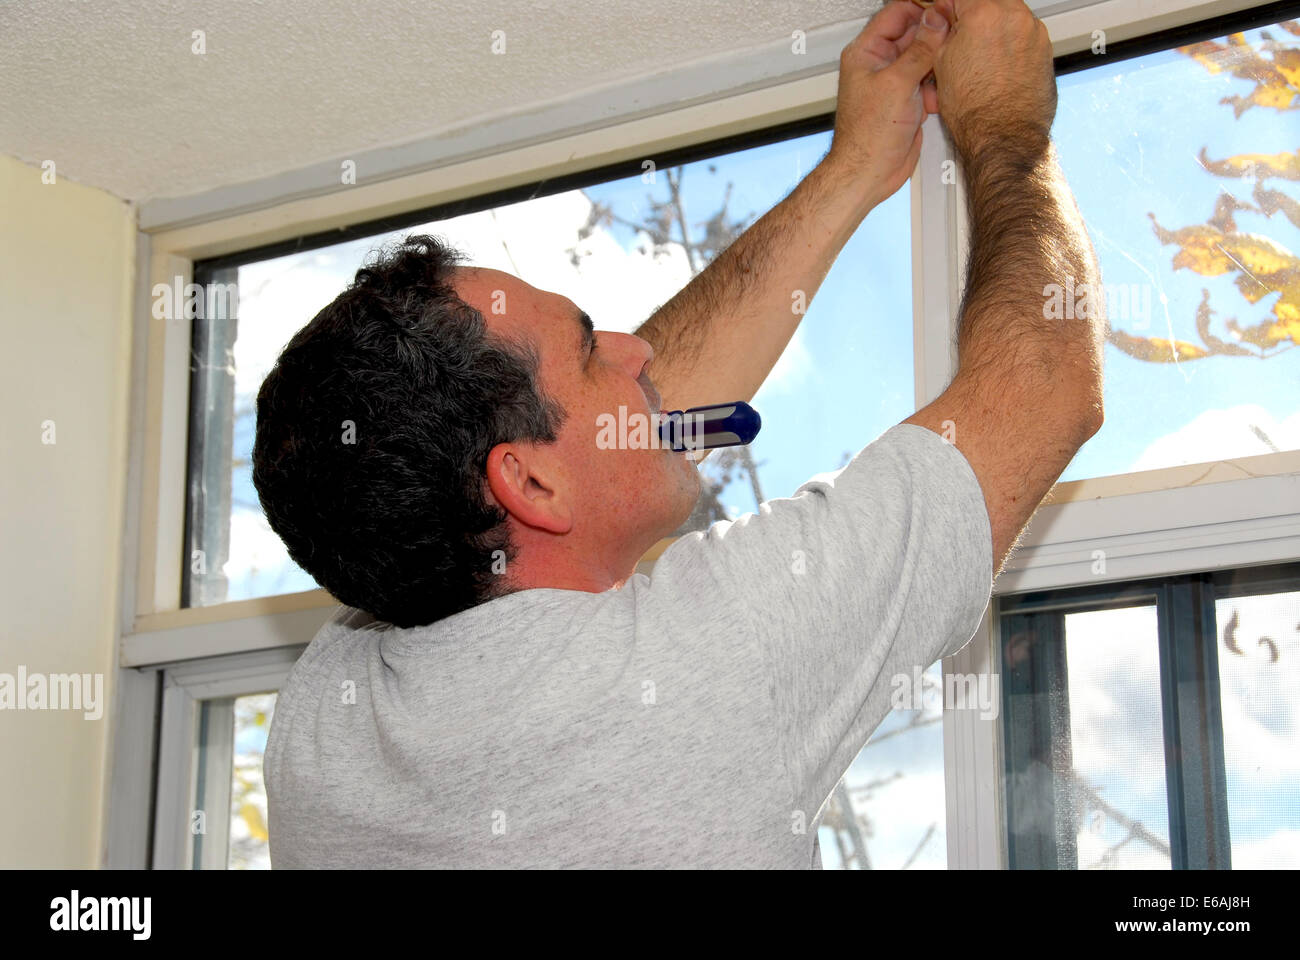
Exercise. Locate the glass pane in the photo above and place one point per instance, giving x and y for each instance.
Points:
(228, 824)
(1259, 677)
(615, 249)
(1117, 739)
(248, 846)
(1184, 165)
(1084, 737)
(888, 812)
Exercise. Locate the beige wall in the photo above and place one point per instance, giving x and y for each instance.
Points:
(66, 279)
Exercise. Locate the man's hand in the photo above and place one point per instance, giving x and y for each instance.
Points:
(883, 98)
(996, 84)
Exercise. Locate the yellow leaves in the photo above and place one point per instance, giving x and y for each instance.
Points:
(1255, 166)
(1262, 265)
(1287, 325)
(1216, 346)
(1200, 249)
(1275, 201)
(1269, 334)
(1276, 79)
(1261, 258)
(1155, 349)
(1278, 97)
(1287, 311)
(252, 817)
(1218, 57)
(1206, 250)
(1287, 63)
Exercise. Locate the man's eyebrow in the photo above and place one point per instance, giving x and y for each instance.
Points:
(588, 333)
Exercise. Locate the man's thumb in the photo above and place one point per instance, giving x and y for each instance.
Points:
(918, 59)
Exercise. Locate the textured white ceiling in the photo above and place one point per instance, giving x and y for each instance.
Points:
(112, 92)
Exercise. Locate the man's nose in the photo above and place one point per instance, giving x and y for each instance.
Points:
(648, 350)
(639, 351)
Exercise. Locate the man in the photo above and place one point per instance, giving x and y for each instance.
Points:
(501, 689)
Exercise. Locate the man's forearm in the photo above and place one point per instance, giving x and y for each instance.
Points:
(1028, 245)
(719, 337)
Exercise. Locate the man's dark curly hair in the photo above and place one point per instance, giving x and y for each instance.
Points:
(373, 431)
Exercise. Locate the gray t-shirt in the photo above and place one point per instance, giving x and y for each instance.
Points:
(700, 717)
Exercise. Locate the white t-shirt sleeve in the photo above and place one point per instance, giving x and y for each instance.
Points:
(865, 573)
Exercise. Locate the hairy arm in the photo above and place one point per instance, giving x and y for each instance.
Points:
(1027, 238)
(718, 338)
(1028, 389)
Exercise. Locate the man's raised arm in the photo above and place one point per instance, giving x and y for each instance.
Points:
(1028, 389)
(718, 339)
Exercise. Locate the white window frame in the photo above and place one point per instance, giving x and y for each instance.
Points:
(1144, 522)
(185, 686)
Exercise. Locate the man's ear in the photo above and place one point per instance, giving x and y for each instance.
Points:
(519, 476)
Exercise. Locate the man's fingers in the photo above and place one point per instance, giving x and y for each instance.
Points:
(892, 20)
(888, 32)
(903, 42)
(918, 59)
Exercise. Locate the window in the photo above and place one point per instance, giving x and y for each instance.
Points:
(210, 811)
(1183, 163)
(615, 249)
(1259, 674)
(231, 742)
(1146, 725)
(1200, 707)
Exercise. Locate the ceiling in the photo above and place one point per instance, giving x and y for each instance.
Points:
(114, 94)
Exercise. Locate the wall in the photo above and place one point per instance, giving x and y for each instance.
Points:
(67, 257)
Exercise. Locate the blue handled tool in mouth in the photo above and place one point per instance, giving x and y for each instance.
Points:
(715, 425)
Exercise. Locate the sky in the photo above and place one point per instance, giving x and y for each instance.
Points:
(1128, 134)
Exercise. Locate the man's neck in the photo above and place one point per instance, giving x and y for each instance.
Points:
(563, 567)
